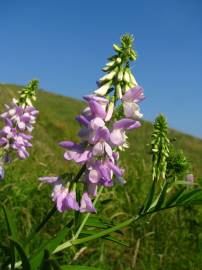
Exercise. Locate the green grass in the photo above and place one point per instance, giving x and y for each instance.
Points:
(170, 240)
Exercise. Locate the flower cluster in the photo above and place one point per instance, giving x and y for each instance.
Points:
(99, 148)
(112, 110)
(19, 119)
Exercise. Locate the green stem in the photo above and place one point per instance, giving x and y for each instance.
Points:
(54, 209)
(108, 231)
(95, 236)
(87, 215)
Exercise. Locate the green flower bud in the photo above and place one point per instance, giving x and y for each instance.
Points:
(119, 91)
(110, 64)
(118, 60)
(108, 77)
(102, 91)
(120, 75)
(105, 69)
(132, 78)
(126, 76)
(117, 48)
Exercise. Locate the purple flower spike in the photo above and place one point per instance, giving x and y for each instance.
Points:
(18, 120)
(86, 204)
(59, 197)
(130, 100)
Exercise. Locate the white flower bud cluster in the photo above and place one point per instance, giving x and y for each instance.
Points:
(119, 76)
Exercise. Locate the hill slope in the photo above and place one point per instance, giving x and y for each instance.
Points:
(30, 201)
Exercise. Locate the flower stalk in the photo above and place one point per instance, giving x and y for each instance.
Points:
(19, 118)
(101, 136)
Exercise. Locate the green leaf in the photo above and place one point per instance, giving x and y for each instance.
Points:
(107, 237)
(190, 197)
(149, 198)
(161, 196)
(23, 256)
(172, 199)
(49, 246)
(78, 267)
(45, 263)
(55, 265)
(12, 232)
(97, 222)
(99, 234)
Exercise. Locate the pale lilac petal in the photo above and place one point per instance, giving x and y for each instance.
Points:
(3, 141)
(132, 110)
(92, 189)
(71, 202)
(97, 109)
(77, 156)
(108, 150)
(102, 134)
(124, 123)
(1, 172)
(94, 176)
(105, 172)
(96, 123)
(50, 179)
(117, 171)
(67, 144)
(86, 204)
(117, 137)
(134, 94)
(137, 124)
(98, 149)
(82, 120)
(101, 100)
(59, 195)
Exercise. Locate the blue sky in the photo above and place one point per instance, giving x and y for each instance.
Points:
(65, 43)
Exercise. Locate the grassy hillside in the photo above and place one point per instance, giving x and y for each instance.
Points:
(171, 240)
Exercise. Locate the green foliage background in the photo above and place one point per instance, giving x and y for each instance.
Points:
(168, 240)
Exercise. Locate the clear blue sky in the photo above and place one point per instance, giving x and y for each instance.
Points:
(65, 43)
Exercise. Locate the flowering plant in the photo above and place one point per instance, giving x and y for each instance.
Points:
(112, 111)
(19, 118)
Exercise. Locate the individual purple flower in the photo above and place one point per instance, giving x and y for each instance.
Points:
(1, 171)
(71, 201)
(64, 199)
(130, 100)
(190, 178)
(76, 152)
(86, 204)
(118, 136)
(59, 197)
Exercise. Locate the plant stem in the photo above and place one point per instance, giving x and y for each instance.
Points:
(108, 231)
(95, 236)
(87, 215)
(54, 209)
